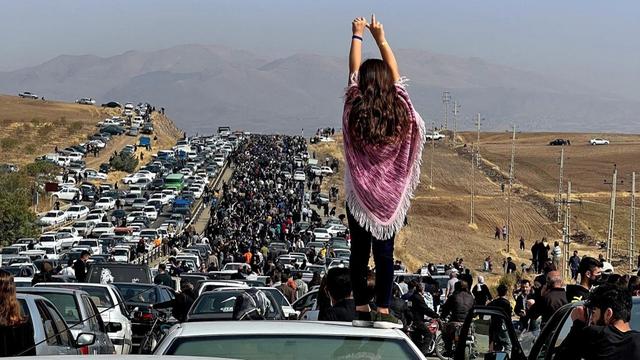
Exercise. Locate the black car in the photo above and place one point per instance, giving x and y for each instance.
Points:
(113, 130)
(112, 104)
(147, 129)
(137, 298)
(218, 305)
(157, 184)
(88, 193)
(560, 142)
(119, 214)
(104, 167)
(131, 273)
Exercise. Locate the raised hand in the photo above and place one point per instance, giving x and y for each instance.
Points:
(377, 31)
(358, 25)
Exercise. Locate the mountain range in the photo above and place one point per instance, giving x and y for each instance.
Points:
(206, 86)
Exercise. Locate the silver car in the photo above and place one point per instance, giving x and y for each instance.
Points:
(80, 313)
(50, 332)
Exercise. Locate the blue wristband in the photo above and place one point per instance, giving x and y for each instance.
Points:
(357, 37)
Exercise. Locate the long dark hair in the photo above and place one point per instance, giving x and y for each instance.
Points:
(9, 307)
(378, 115)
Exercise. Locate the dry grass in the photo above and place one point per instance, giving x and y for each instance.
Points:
(35, 127)
(439, 229)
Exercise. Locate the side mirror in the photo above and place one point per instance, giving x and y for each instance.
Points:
(113, 327)
(86, 339)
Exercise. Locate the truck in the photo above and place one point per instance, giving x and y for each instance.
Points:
(145, 141)
(434, 135)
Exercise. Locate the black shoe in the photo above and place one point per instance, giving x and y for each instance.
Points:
(363, 319)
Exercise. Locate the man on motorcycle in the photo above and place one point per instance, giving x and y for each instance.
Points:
(456, 307)
(419, 309)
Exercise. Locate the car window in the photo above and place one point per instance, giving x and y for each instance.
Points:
(66, 338)
(92, 315)
(50, 333)
(308, 302)
(216, 303)
(66, 305)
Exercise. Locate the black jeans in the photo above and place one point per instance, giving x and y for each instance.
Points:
(362, 242)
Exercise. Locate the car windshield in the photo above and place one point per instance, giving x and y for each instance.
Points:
(215, 302)
(266, 347)
(88, 242)
(137, 294)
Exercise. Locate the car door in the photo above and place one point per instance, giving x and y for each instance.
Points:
(488, 333)
(103, 344)
(553, 334)
(58, 337)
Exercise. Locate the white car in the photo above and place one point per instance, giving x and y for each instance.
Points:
(150, 212)
(102, 228)
(94, 175)
(325, 170)
(84, 227)
(86, 101)
(54, 217)
(321, 234)
(67, 193)
(299, 176)
(147, 174)
(110, 307)
(75, 212)
(269, 339)
(316, 170)
(435, 135)
(599, 141)
(135, 189)
(336, 229)
(171, 194)
(134, 214)
(105, 203)
(162, 197)
(196, 190)
(52, 250)
(94, 245)
(121, 254)
(94, 218)
(28, 95)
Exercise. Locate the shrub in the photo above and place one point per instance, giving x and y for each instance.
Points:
(124, 162)
(74, 126)
(9, 143)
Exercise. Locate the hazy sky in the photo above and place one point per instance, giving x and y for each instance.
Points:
(591, 41)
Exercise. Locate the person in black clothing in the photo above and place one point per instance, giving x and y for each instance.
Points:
(510, 266)
(16, 331)
(553, 297)
(46, 275)
(80, 266)
(181, 303)
(338, 287)
(458, 305)
(606, 333)
(521, 303)
(481, 292)
(420, 309)
(590, 270)
(498, 336)
(163, 278)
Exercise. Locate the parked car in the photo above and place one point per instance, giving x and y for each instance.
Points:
(53, 217)
(299, 176)
(218, 305)
(599, 141)
(321, 234)
(559, 142)
(105, 203)
(86, 101)
(28, 95)
(79, 311)
(111, 308)
(66, 193)
(75, 212)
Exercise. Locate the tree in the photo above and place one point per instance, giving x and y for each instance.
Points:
(124, 162)
(17, 219)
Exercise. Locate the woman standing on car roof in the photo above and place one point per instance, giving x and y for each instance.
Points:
(16, 332)
(383, 142)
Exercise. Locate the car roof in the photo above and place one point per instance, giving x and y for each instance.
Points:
(57, 290)
(313, 328)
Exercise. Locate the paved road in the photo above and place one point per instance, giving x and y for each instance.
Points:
(205, 215)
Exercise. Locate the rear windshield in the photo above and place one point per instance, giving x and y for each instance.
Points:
(276, 347)
(120, 274)
(66, 305)
(138, 294)
(99, 295)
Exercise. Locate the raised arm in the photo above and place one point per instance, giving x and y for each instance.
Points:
(377, 31)
(355, 53)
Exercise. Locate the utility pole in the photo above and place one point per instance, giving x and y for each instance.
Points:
(560, 183)
(446, 98)
(473, 184)
(456, 111)
(433, 150)
(478, 140)
(612, 213)
(632, 229)
(513, 153)
(566, 228)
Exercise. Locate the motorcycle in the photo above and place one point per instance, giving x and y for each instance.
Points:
(427, 347)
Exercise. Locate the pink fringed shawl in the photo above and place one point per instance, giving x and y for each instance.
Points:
(380, 179)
